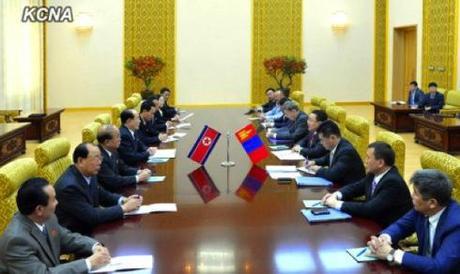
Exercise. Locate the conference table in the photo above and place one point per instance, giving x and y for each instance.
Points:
(229, 222)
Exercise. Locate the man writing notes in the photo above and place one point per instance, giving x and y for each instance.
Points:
(310, 147)
(435, 219)
(296, 130)
(387, 197)
(83, 203)
(34, 240)
(342, 164)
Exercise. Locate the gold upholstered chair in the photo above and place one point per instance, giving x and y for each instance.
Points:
(325, 104)
(89, 132)
(356, 131)
(12, 175)
(298, 96)
(116, 111)
(398, 145)
(315, 103)
(53, 158)
(132, 102)
(446, 163)
(337, 114)
(103, 119)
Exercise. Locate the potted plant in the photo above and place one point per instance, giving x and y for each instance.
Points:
(281, 68)
(145, 68)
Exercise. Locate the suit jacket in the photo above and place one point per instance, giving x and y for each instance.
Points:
(148, 133)
(296, 130)
(282, 122)
(81, 206)
(168, 111)
(436, 103)
(418, 97)
(114, 173)
(159, 121)
(311, 146)
(24, 248)
(268, 106)
(446, 244)
(347, 167)
(389, 202)
(131, 150)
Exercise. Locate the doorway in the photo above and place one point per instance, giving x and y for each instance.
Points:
(404, 60)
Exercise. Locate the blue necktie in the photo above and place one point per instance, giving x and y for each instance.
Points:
(426, 240)
(374, 185)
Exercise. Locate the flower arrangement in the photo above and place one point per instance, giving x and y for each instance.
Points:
(281, 68)
(145, 68)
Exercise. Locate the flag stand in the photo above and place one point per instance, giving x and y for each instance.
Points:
(228, 163)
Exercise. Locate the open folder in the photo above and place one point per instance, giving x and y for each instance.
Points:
(362, 254)
(124, 263)
(334, 215)
(164, 153)
(312, 181)
(160, 207)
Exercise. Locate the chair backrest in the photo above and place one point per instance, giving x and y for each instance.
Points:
(315, 102)
(53, 158)
(12, 175)
(443, 91)
(337, 114)
(398, 145)
(116, 111)
(103, 119)
(453, 98)
(324, 104)
(446, 163)
(298, 96)
(89, 132)
(356, 131)
(132, 102)
(137, 94)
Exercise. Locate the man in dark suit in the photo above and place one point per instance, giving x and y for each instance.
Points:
(416, 95)
(342, 164)
(435, 219)
(433, 101)
(387, 197)
(132, 151)
(310, 147)
(169, 112)
(34, 240)
(296, 130)
(148, 132)
(83, 203)
(270, 93)
(114, 173)
(161, 123)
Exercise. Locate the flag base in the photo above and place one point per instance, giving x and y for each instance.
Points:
(227, 164)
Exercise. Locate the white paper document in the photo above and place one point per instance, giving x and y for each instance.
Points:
(288, 155)
(127, 263)
(161, 207)
(170, 139)
(306, 170)
(183, 125)
(284, 175)
(179, 135)
(253, 118)
(281, 168)
(186, 117)
(313, 204)
(164, 153)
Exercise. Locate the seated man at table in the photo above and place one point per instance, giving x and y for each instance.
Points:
(296, 130)
(148, 132)
(114, 173)
(83, 203)
(416, 95)
(342, 164)
(433, 101)
(169, 112)
(34, 240)
(435, 219)
(270, 93)
(281, 96)
(310, 147)
(132, 151)
(387, 197)
(160, 121)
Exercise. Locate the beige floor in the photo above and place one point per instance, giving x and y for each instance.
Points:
(73, 121)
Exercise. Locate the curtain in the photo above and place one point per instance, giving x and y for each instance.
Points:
(22, 58)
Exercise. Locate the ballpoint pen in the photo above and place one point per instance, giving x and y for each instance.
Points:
(361, 252)
(316, 204)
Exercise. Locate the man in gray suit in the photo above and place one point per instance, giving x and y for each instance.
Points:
(34, 240)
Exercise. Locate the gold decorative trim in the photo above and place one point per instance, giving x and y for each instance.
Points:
(150, 29)
(277, 30)
(380, 50)
(439, 45)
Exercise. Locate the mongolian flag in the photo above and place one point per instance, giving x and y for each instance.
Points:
(204, 145)
(252, 183)
(204, 184)
(252, 143)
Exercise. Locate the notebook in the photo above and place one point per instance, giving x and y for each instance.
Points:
(157, 160)
(361, 254)
(334, 215)
(313, 204)
(156, 179)
(278, 147)
(312, 181)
